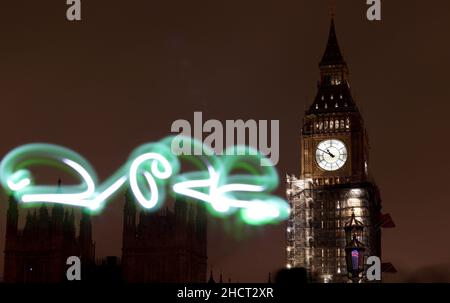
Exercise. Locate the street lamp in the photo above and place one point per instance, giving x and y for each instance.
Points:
(354, 250)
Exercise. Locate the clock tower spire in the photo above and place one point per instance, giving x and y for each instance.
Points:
(333, 57)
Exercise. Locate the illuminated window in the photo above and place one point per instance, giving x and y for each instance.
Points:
(347, 123)
(332, 97)
(326, 106)
(331, 124)
(325, 125)
(320, 125)
(342, 124)
(355, 259)
(354, 202)
(336, 124)
(317, 106)
(336, 105)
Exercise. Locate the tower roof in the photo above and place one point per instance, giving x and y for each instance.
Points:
(211, 278)
(332, 53)
(353, 223)
(334, 94)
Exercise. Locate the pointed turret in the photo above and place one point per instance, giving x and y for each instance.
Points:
(85, 227)
(43, 216)
(34, 224)
(57, 213)
(66, 221)
(181, 208)
(43, 222)
(71, 227)
(85, 239)
(34, 218)
(211, 278)
(28, 221)
(129, 219)
(12, 218)
(129, 210)
(28, 228)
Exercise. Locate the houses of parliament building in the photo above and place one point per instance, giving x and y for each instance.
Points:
(164, 246)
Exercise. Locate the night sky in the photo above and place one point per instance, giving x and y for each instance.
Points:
(122, 75)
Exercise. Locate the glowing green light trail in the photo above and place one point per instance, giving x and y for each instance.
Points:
(227, 183)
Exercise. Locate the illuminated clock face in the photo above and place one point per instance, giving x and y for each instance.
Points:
(331, 154)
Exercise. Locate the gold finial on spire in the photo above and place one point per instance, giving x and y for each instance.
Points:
(332, 7)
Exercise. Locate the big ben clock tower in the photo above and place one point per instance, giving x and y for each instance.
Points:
(334, 181)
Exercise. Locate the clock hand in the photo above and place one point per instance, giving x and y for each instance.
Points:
(327, 152)
(332, 156)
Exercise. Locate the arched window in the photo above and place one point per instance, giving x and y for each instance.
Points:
(336, 124)
(331, 124)
(347, 123)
